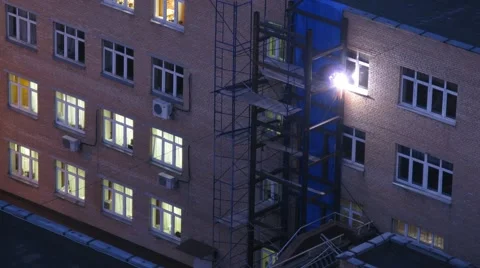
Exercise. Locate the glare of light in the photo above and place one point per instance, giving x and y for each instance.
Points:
(339, 80)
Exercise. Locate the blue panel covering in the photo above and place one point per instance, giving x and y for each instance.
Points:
(325, 36)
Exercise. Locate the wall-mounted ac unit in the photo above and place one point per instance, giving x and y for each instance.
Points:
(162, 109)
(71, 143)
(170, 182)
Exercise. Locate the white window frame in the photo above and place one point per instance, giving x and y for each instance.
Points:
(29, 21)
(66, 36)
(417, 239)
(350, 212)
(163, 20)
(121, 4)
(425, 165)
(125, 197)
(62, 98)
(63, 169)
(177, 147)
(157, 208)
(176, 77)
(445, 92)
(355, 139)
(16, 152)
(356, 73)
(32, 93)
(125, 56)
(125, 127)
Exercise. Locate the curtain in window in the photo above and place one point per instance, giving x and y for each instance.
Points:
(129, 208)
(13, 94)
(108, 130)
(81, 188)
(119, 203)
(72, 116)
(157, 148)
(119, 135)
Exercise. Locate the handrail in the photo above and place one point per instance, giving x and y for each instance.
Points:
(315, 259)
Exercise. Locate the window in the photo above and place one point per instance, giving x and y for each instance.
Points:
(354, 146)
(69, 43)
(268, 258)
(167, 149)
(168, 78)
(166, 219)
(123, 4)
(357, 70)
(418, 234)
(70, 180)
(429, 94)
(21, 25)
(117, 199)
(275, 46)
(273, 119)
(70, 111)
(352, 212)
(423, 171)
(118, 61)
(170, 11)
(23, 94)
(118, 130)
(270, 191)
(23, 162)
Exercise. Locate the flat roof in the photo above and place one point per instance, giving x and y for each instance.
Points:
(458, 20)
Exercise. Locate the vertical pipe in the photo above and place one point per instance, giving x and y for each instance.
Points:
(304, 174)
(253, 142)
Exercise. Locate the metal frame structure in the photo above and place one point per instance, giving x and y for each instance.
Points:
(246, 153)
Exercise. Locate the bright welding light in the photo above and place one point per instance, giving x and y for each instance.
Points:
(339, 80)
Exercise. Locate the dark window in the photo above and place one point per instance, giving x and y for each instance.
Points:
(437, 101)
(407, 92)
(347, 147)
(21, 25)
(433, 174)
(451, 106)
(422, 96)
(70, 43)
(168, 78)
(118, 60)
(417, 173)
(447, 184)
(360, 152)
(403, 167)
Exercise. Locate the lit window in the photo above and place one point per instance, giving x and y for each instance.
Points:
(23, 163)
(123, 4)
(23, 94)
(429, 94)
(274, 120)
(268, 258)
(118, 61)
(166, 219)
(354, 146)
(21, 25)
(170, 11)
(118, 130)
(276, 46)
(270, 191)
(69, 43)
(117, 199)
(168, 79)
(352, 213)
(418, 234)
(167, 149)
(70, 111)
(357, 70)
(70, 180)
(423, 171)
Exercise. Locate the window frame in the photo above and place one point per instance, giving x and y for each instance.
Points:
(356, 87)
(29, 23)
(66, 106)
(64, 170)
(163, 20)
(350, 212)
(31, 92)
(66, 36)
(425, 166)
(176, 77)
(113, 124)
(158, 208)
(110, 188)
(176, 146)
(125, 56)
(417, 238)
(353, 159)
(430, 88)
(18, 155)
(271, 191)
(124, 6)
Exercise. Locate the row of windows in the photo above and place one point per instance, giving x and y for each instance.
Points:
(166, 218)
(118, 60)
(415, 169)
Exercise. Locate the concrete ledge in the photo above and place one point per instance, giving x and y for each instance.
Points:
(369, 266)
(390, 23)
(345, 255)
(361, 13)
(458, 263)
(49, 225)
(141, 263)
(401, 240)
(362, 248)
(411, 29)
(476, 50)
(3, 204)
(355, 261)
(79, 237)
(377, 241)
(110, 250)
(435, 36)
(460, 44)
(17, 212)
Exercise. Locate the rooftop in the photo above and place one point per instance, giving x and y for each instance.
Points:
(458, 20)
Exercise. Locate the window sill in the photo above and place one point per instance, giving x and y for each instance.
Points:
(69, 129)
(71, 62)
(24, 180)
(116, 79)
(18, 110)
(120, 149)
(70, 199)
(169, 98)
(22, 44)
(159, 235)
(164, 166)
(354, 165)
(170, 25)
(445, 200)
(429, 115)
(117, 218)
(124, 10)
(358, 91)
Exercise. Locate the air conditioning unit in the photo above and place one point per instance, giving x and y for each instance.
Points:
(167, 180)
(162, 109)
(71, 143)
